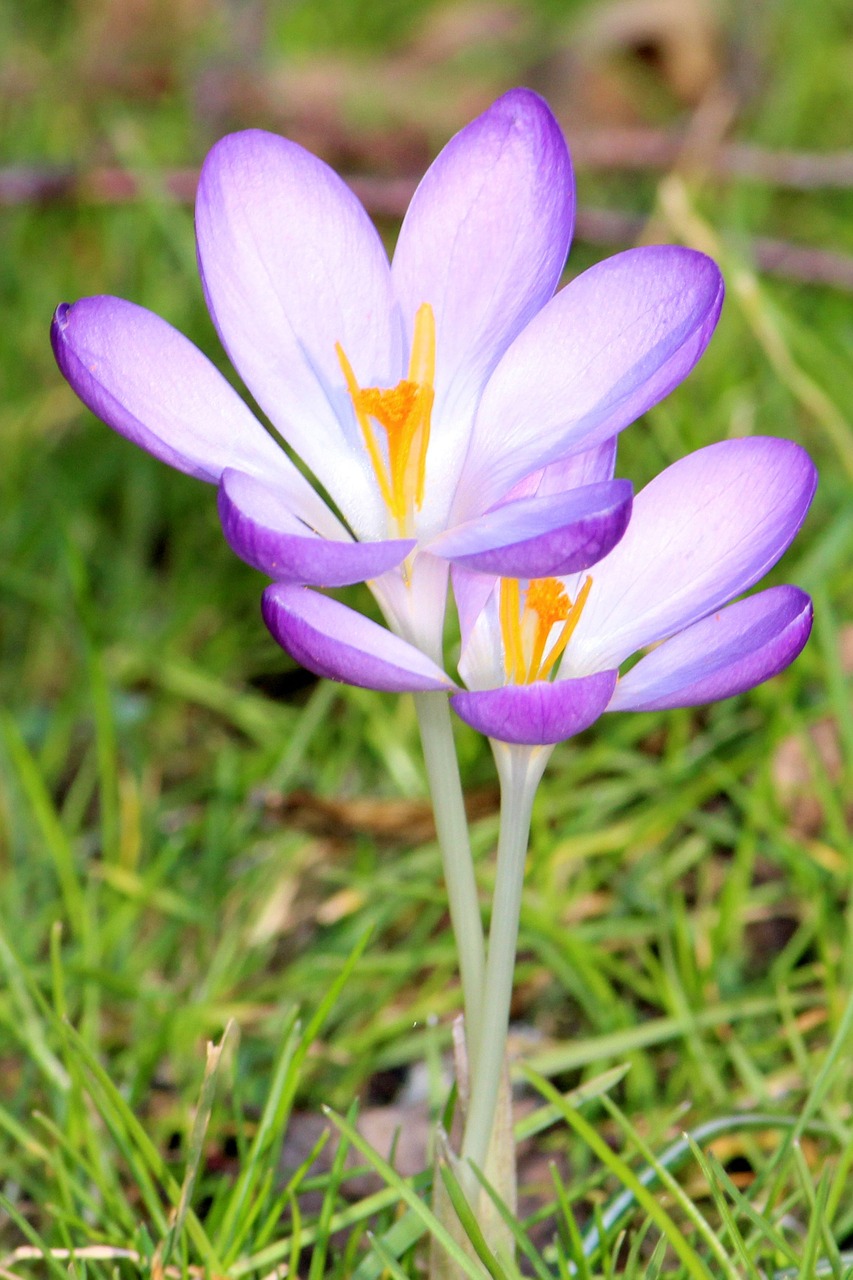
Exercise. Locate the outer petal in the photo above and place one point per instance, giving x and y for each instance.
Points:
(152, 385)
(484, 241)
(332, 640)
(705, 530)
(537, 714)
(261, 529)
(722, 655)
(291, 265)
(610, 345)
(542, 536)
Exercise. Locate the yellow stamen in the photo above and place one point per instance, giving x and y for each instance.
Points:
(526, 630)
(572, 619)
(511, 629)
(404, 413)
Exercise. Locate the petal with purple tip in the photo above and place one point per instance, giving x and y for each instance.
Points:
(537, 714)
(153, 386)
(609, 346)
(262, 530)
(485, 238)
(540, 537)
(722, 655)
(334, 641)
(703, 531)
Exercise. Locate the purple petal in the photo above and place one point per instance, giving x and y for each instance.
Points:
(261, 529)
(542, 536)
(149, 383)
(484, 241)
(331, 640)
(537, 714)
(610, 345)
(722, 655)
(705, 530)
(292, 265)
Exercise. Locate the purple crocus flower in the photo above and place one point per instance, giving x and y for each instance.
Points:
(541, 656)
(418, 393)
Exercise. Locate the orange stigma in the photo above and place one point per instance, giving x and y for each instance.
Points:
(404, 413)
(526, 629)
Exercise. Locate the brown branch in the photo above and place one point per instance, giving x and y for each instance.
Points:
(610, 228)
(637, 149)
(389, 198)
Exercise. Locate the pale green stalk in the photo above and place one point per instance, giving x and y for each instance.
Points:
(520, 770)
(451, 824)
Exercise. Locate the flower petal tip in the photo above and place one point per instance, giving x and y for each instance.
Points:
(332, 640)
(262, 529)
(538, 714)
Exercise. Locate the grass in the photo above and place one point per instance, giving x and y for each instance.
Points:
(686, 944)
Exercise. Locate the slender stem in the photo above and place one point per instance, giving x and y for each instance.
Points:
(520, 769)
(451, 826)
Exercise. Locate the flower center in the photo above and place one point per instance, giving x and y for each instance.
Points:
(526, 628)
(404, 413)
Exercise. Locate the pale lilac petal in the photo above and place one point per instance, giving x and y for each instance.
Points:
(541, 713)
(722, 655)
(332, 640)
(481, 663)
(705, 530)
(292, 265)
(484, 242)
(261, 529)
(610, 345)
(542, 536)
(153, 386)
(593, 466)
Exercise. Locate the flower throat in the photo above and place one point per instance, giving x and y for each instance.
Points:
(404, 413)
(526, 628)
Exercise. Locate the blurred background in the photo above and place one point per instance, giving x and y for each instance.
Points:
(213, 828)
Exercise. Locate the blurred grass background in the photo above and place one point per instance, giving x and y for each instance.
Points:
(213, 830)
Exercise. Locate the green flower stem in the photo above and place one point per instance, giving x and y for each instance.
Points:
(520, 770)
(451, 825)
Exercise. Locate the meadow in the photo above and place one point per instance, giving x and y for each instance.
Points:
(221, 903)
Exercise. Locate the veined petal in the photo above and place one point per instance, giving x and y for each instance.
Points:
(261, 529)
(292, 265)
(722, 655)
(484, 242)
(332, 640)
(153, 386)
(541, 713)
(610, 345)
(539, 537)
(705, 530)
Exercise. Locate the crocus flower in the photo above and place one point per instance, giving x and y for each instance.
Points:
(541, 655)
(541, 658)
(419, 393)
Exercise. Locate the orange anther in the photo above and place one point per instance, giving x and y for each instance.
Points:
(404, 414)
(526, 629)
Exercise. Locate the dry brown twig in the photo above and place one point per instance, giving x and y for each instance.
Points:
(389, 197)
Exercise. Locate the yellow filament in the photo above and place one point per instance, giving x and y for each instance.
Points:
(511, 629)
(525, 631)
(404, 413)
